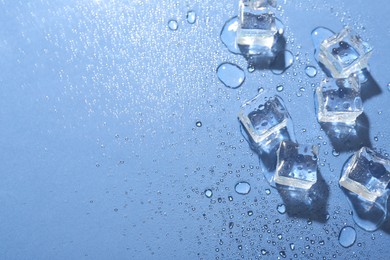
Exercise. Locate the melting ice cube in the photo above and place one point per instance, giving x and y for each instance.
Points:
(263, 119)
(339, 100)
(296, 165)
(367, 174)
(344, 53)
(257, 26)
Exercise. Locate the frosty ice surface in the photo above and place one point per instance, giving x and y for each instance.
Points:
(339, 100)
(367, 174)
(344, 53)
(296, 165)
(262, 119)
(257, 27)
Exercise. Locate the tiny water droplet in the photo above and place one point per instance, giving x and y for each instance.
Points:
(242, 188)
(347, 236)
(279, 88)
(376, 138)
(281, 208)
(230, 198)
(267, 191)
(250, 213)
(231, 75)
(263, 251)
(198, 124)
(191, 17)
(302, 89)
(251, 68)
(292, 246)
(208, 193)
(173, 25)
(261, 89)
(311, 71)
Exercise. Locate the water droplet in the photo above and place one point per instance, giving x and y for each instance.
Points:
(261, 89)
(302, 89)
(388, 86)
(231, 225)
(198, 124)
(280, 88)
(263, 252)
(250, 213)
(376, 138)
(311, 71)
(191, 17)
(208, 193)
(242, 188)
(292, 246)
(282, 254)
(319, 34)
(231, 75)
(283, 61)
(280, 236)
(335, 153)
(230, 198)
(172, 24)
(251, 68)
(228, 35)
(268, 191)
(281, 208)
(347, 236)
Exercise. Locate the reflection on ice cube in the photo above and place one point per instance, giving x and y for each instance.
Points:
(367, 174)
(257, 28)
(339, 100)
(262, 119)
(296, 165)
(344, 53)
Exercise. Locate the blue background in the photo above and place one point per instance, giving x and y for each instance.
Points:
(100, 155)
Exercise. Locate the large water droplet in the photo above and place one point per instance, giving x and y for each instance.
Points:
(319, 34)
(172, 25)
(242, 188)
(311, 71)
(191, 17)
(347, 236)
(228, 35)
(231, 75)
(283, 61)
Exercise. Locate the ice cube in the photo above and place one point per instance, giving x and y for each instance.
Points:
(263, 119)
(344, 53)
(296, 165)
(338, 100)
(367, 174)
(257, 28)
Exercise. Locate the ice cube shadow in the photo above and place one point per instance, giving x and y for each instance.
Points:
(271, 60)
(346, 138)
(308, 204)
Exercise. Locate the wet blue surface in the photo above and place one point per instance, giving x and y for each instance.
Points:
(102, 155)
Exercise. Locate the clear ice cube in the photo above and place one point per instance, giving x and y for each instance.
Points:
(338, 100)
(263, 120)
(367, 174)
(344, 53)
(296, 165)
(257, 26)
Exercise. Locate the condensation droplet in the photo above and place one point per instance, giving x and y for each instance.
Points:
(347, 236)
(198, 124)
(208, 193)
(173, 25)
(267, 191)
(231, 75)
(191, 17)
(281, 208)
(311, 71)
(242, 188)
(279, 88)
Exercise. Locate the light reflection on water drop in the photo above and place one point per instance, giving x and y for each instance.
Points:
(228, 35)
(172, 25)
(311, 71)
(347, 236)
(231, 75)
(191, 17)
(242, 188)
